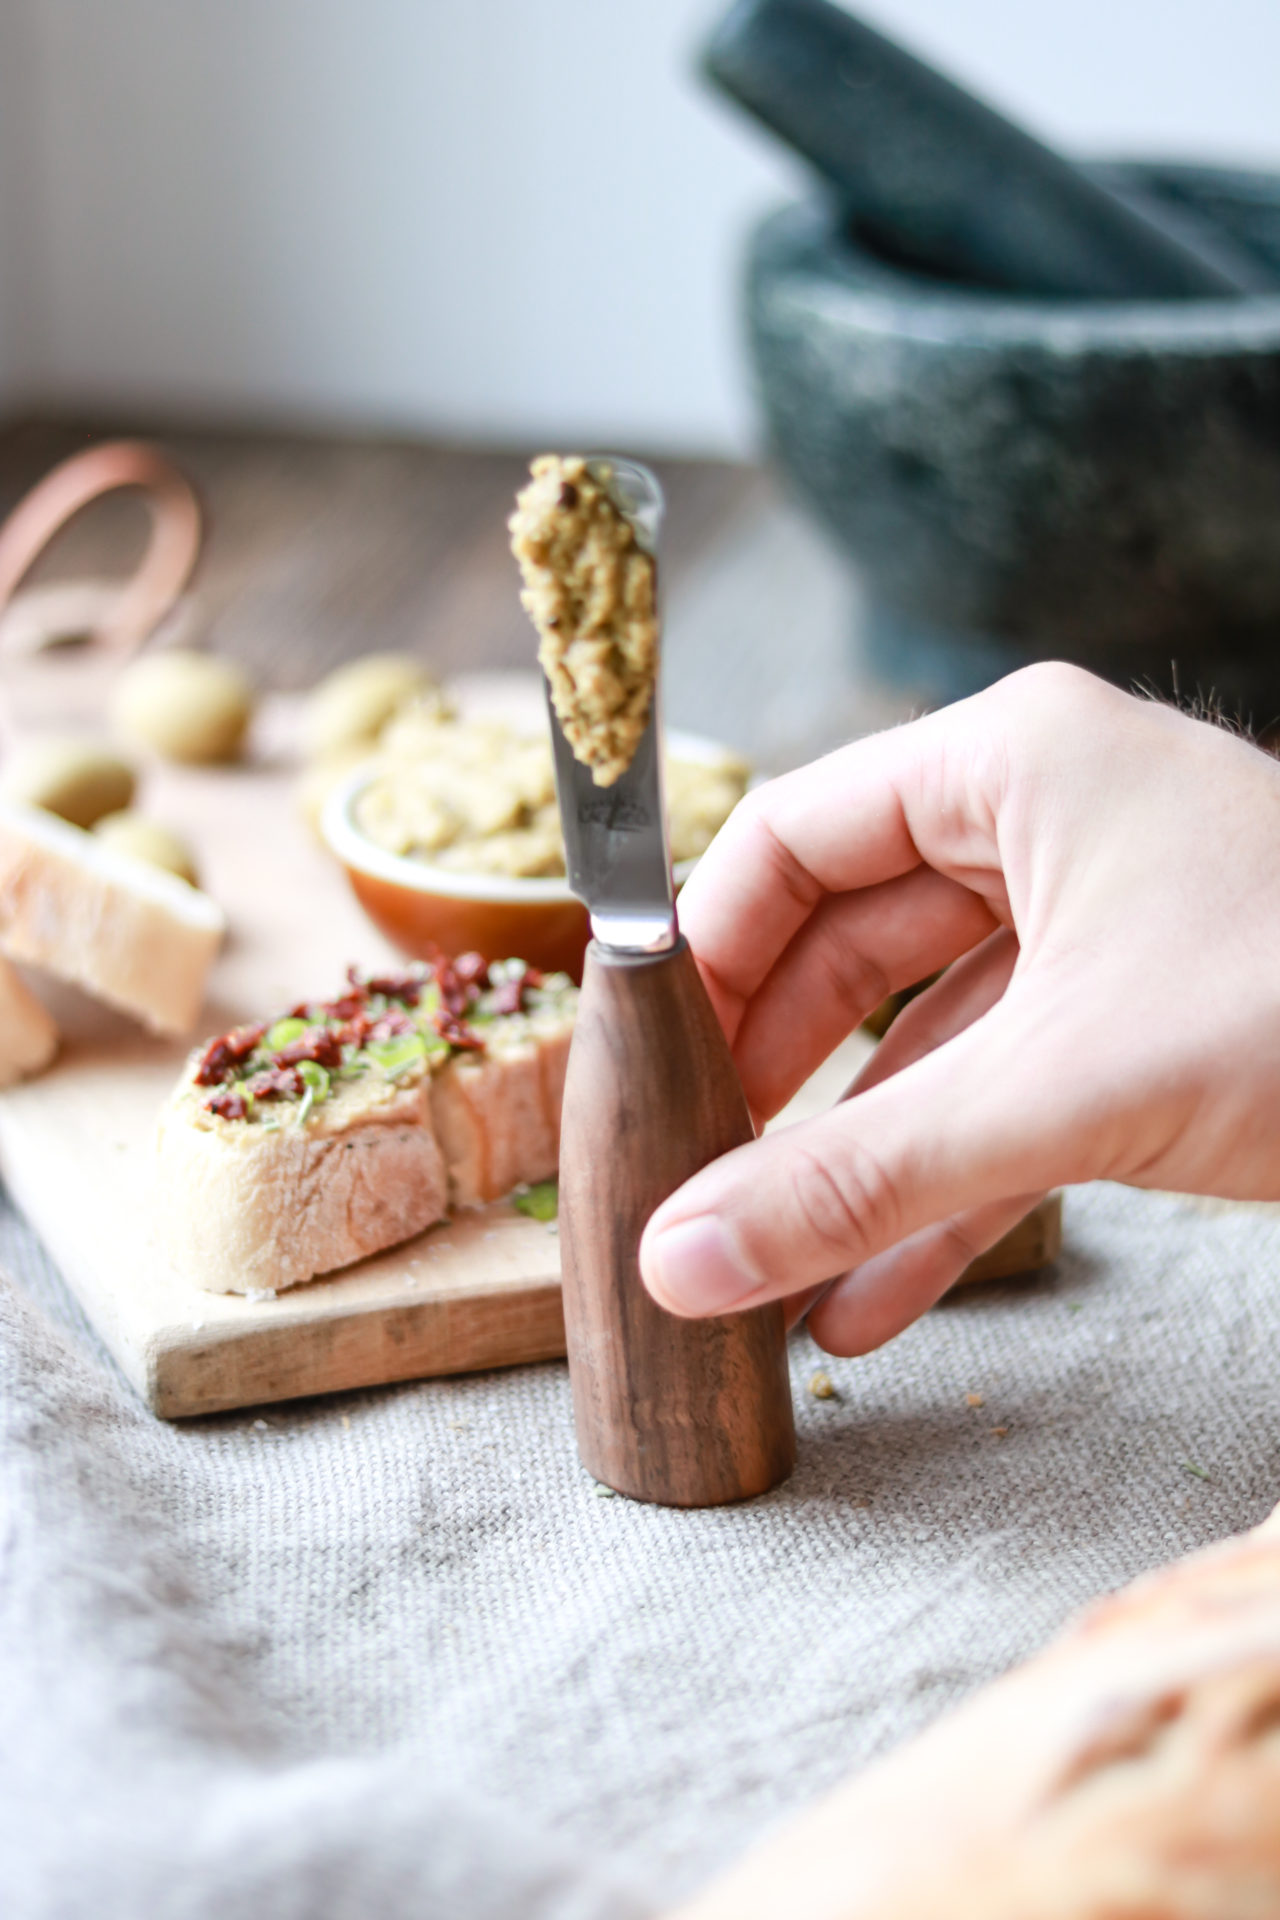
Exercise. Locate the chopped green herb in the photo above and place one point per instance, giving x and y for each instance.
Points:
(317, 1080)
(284, 1031)
(540, 1202)
(399, 1054)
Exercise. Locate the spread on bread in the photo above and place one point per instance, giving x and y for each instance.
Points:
(295, 1146)
(590, 590)
(383, 1030)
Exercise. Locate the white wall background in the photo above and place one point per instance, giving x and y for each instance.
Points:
(20, 298)
(484, 219)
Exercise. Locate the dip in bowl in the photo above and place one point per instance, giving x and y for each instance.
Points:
(455, 898)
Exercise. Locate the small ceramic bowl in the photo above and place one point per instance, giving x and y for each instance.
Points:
(425, 909)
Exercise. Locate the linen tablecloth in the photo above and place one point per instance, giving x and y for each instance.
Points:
(394, 1653)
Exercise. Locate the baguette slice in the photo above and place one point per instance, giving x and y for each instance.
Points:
(1129, 1772)
(497, 1114)
(130, 934)
(245, 1209)
(28, 1032)
(293, 1149)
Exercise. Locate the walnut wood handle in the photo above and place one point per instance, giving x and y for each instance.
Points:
(689, 1413)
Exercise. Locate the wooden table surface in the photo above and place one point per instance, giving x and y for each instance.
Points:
(318, 548)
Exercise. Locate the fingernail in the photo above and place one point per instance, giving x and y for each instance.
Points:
(696, 1268)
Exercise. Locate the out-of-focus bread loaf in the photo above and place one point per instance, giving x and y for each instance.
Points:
(125, 931)
(1130, 1772)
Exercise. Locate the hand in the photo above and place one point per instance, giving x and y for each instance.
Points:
(1100, 876)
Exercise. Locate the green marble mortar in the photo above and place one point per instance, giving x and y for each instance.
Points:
(1019, 479)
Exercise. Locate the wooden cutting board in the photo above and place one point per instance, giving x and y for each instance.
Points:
(77, 1151)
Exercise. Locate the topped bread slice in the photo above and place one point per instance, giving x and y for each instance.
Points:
(294, 1147)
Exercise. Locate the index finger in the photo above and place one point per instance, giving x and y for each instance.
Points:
(868, 813)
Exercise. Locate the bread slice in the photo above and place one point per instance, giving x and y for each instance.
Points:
(497, 1114)
(295, 1148)
(28, 1031)
(245, 1209)
(127, 932)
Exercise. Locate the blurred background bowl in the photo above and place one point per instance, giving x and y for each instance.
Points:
(1015, 479)
(426, 909)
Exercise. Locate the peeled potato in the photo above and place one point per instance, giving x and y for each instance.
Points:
(350, 707)
(147, 840)
(184, 706)
(72, 778)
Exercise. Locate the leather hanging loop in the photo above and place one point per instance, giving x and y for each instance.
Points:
(122, 618)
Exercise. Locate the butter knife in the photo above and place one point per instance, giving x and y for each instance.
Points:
(682, 1412)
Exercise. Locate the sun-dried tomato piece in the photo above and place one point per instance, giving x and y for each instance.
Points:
(354, 1032)
(276, 1083)
(320, 1044)
(460, 981)
(456, 1031)
(347, 1007)
(390, 1023)
(405, 986)
(508, 996)
(228, 1104)
(222, 1056)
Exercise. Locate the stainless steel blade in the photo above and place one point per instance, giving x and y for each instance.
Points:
(615, 838)
(615, 844)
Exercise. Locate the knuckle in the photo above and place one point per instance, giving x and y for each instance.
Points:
(845, 1202)
(961, 1244)
(1051, 682)
(754, 816)
(854, 983)
(1046, 698)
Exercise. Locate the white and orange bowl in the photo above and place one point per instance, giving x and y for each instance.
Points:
(426, 909)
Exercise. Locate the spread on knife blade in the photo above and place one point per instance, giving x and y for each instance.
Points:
(590, 590)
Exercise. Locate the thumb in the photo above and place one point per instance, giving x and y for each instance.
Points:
(985, 1116)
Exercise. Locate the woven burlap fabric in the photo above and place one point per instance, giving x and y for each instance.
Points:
(392, 1653)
